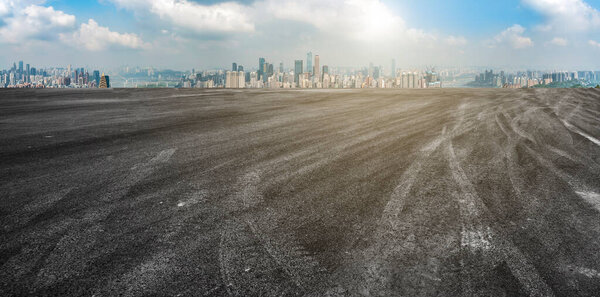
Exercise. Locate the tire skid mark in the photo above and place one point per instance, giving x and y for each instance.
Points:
(588, 272)
(23, 216)
(510, 161)
(582, 190)
(591, 197)
(475, 234)
(387, 241)
(579, 188)
(290, 256)
(250, 237)
(64, 260)
(576, 130)
(487, 240)
(394, 206)
(223, 267)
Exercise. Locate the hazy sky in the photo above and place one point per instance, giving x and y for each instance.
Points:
(185, 34)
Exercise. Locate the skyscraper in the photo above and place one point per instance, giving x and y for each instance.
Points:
(240, 68)
(297, 70)
(309, 65)
(20, 70)
(261, 66)
(281, 67)
(317, 70)
(325, 71)
(234, 67)
(96, 77)
(104, 82)
(393, 70)
(27, 74)
(267, 71)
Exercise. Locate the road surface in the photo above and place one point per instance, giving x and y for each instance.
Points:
(465, 192)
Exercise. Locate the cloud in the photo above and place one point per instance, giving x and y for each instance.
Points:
(456, 40)
(566, 14)
(558, 41)
(365, 20)
(513, 37)
(95, 38)
(33, 22)
(226, 17)
(594, 43)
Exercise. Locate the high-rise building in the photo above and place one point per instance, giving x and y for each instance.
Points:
(20, 69)
(96, 77)
(104, 82)
(309, 65)
(325, 71)
(234, 67)
(267, 71)
(281, 67)
(370, 74)
(27, 74)
(297, 70)
(241, 79)
(317, 70)
(240, 68)
(261, 66)
(393, 70)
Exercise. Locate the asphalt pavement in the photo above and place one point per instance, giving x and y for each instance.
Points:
(167, 192)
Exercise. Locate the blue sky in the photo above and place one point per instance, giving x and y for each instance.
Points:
(182, 34)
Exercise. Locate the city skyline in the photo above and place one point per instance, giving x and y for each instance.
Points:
(546, 34)
(266, 75)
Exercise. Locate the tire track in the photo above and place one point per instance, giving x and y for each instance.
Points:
(251, 253)
(481, 236)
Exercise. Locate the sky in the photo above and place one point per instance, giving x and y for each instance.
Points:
(186, 34)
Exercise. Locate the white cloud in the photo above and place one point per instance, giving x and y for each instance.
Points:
(558, 41)
(371, 22)
(33, 22)
(4, 8)
(513, 37)
(456, 40)
(594, 43)
(95, 38)
(227, 17)
(566, 14)
(358, 19)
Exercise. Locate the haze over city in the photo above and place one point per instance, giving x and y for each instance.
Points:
(540, 34)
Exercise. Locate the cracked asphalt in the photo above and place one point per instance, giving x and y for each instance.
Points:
(132, 192)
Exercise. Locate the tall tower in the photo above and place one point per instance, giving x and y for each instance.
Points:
(104, 82)
(309, 65)
(96, 77)
(297, 70)
(317, 71)
(393, 70)
(234, 67)
(261, 66)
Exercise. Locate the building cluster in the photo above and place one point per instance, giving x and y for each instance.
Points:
(25, 76)
(310, 73)
(528, 79)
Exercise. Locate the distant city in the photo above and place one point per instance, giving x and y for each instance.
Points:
(304, 74)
